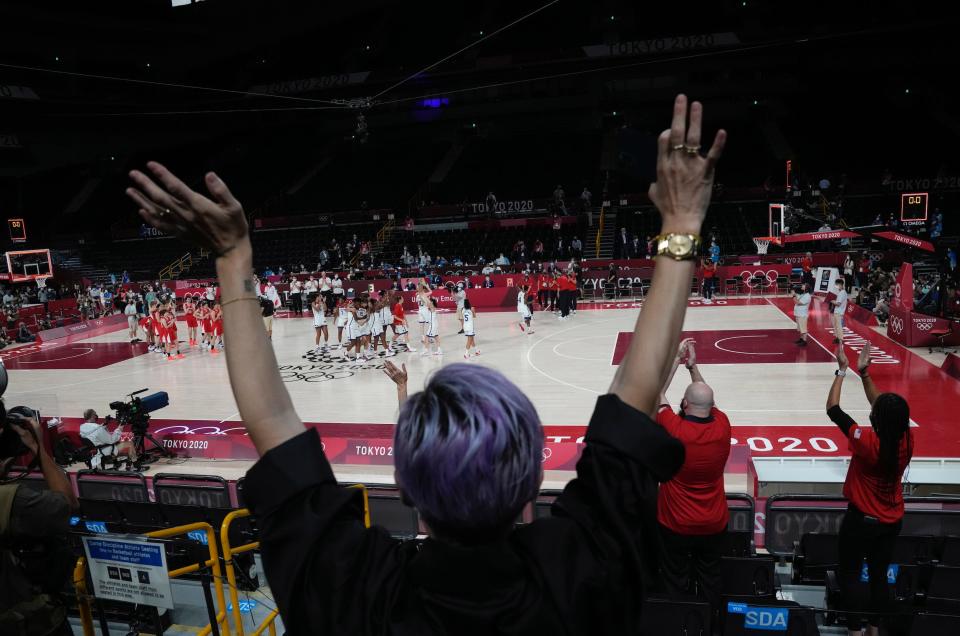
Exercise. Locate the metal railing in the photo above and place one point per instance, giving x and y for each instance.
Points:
(182, 264)
(603, 210)
(383, 235)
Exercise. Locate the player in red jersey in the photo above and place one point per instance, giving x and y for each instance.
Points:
(168, 317)
(189, 309)
(206, 324)
(400, 327)
(156, 329)
(216, 318)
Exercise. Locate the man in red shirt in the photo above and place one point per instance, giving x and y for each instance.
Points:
(709, 279)
(806, 264)
(692, 507)
(863, 270)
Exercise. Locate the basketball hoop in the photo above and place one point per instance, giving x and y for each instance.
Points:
(763, 243)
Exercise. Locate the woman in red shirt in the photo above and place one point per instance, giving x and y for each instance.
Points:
(874, 515)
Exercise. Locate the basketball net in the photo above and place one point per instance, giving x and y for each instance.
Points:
(762, 244)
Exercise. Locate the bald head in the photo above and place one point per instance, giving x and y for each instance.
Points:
(698, 399)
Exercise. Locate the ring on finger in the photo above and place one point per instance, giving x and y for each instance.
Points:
(165, 212)
(678, 147)
(691, 150)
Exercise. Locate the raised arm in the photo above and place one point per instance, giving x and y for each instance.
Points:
(691, 362)
(863, 366)
(399, 377)
(833, 397)
(220, 226)
(681, 193)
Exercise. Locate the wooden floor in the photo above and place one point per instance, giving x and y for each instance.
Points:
(773, 392)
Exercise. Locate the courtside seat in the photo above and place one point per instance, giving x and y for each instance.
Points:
(950, 552)
(813, 555)
(748, 576)
(738, 544)
(389, 512)
(731, 287)
(913, 549)
(668, 617)
(943, 594)
(100, 515)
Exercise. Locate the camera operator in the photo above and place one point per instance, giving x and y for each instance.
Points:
(35, 560)
(107, 442)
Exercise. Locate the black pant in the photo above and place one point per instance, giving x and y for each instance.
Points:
(573, 299)
(708, 284)
(329, 300)
(563, 302)
(296, 302)
(862, 537)
(808, 279)
(692, 558)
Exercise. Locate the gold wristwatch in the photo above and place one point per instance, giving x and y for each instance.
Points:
(679, 247)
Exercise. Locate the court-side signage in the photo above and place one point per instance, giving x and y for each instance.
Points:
(654, 46)
(128, 570)
(761, 618)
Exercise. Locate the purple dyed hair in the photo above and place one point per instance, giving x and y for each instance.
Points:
(468, 451)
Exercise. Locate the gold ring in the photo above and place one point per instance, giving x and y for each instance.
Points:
(691, 150)
(165, 212)
(678, 147)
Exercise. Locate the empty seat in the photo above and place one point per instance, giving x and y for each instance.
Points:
(738, 544)
(950, 554)
(943, 594)
(666, 617)
(751, 576)
(813, 556)
(912, 549)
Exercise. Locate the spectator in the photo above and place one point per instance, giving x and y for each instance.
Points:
(635, 248)
(882, 310)
(863, 270)
(488, 269)
(709, 280)
(502, 260)
(585, 199)
(714, 251)
(877, 220)
(874, 516)
(806, 266)
(558, 199)
(623, 244)
(23, 333)
(538, 249)
(576, 247)
(488, 282)
(491, 203)
(35, 556)
(692, 507)
(848, 266)
(107, 442)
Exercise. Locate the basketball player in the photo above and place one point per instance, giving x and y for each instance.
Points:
(376, 327)
(343, 317)
(206, 324)
(156, 327)
(400, 326)
(386, 317)
(461, 296)
(320, 322)
(839, 310)
(189, 309)
(801, 311)
(130, 311)
(423, 310)
(216, 320)
(168, 318)
(524, 310)
(433, 331)
(469, 329)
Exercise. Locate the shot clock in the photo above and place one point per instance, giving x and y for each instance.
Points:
(18, 230)
(913, 208)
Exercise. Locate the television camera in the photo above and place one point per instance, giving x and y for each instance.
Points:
(135, 412)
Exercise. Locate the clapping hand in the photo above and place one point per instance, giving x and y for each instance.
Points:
(217, 224)
(863, 362)
(684, 176)
(842, 361)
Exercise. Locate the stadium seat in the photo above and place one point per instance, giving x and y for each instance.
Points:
(813, 555)
(950, 553)
(750, 576)
(666, 617)
(390, 513)
(925, 624)
(943, 595)
(738, 544)
(913, 549)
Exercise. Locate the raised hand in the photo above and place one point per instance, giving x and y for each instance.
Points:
(863, 362)
(684, 176)
(218, 224)
(398, 375)
(842, 361)
(691, 352)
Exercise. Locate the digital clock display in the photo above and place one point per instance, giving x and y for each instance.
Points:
(913, 206)
(18, 230)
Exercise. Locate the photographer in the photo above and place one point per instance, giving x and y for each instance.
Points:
(35, 560)
(107, 442)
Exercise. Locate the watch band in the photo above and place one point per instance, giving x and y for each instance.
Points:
(678, 246)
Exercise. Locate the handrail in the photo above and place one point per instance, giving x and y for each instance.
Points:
(83, 603)
(229, 551)
(383, 234)
(599, 232)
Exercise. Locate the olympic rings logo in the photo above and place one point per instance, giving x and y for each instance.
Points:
(896, 324)
(923, 326)
(897, 290)
(547, 454)
(766, 279)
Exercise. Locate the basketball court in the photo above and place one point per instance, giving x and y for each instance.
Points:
(773, 391)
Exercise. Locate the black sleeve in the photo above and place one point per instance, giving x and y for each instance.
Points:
(614, 496)
(839, 417)
(39, 514)
(326, 570)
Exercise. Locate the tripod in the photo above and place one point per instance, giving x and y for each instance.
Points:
(143, 455)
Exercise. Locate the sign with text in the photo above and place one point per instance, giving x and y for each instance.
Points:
(128, 570)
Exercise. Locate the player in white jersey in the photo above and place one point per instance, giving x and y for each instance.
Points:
(378, 328)
(461, 296)
(423, 310)
(343, 317)
(469, 329)
(433, 331)
(524, 310)
(320, 322)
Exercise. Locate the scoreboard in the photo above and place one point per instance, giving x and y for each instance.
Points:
(913, 208)
(18, 230)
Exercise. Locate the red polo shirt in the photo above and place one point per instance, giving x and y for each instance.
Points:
(694, 502)
(864, 486)
(806, 263)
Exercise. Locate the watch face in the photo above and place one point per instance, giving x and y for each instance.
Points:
(679, 244)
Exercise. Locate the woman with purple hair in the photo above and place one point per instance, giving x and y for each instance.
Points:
(468, 454)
